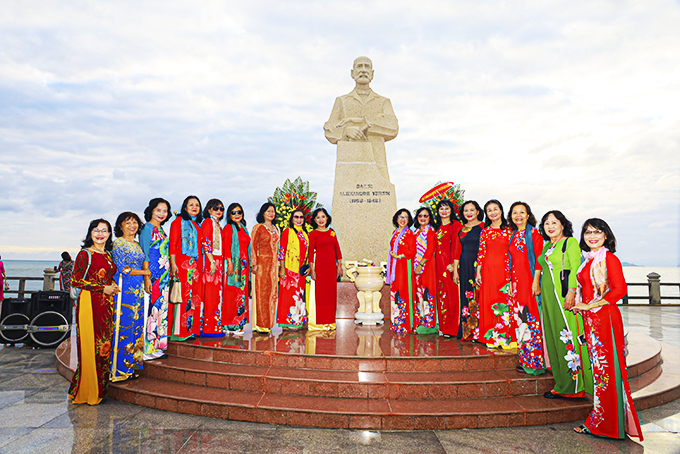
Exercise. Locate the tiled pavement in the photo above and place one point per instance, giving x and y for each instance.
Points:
(35, 417)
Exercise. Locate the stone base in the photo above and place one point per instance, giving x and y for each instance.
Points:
(369, 319)
(364, 202)
(348, 303)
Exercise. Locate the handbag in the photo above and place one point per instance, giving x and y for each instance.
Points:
(564, 274)
(175, 291)
(304, 269)
(75, 291)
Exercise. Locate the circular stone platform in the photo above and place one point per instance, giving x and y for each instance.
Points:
(364, 377)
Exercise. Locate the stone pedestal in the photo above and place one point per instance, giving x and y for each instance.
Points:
(369, 281)
(364, 202)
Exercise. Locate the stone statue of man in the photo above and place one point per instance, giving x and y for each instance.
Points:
(363, 116)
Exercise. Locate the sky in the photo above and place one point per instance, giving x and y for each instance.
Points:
(565, 105)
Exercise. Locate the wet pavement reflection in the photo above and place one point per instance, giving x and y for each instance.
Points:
(350, 340)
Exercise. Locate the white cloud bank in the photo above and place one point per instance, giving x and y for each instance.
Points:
(104, 105)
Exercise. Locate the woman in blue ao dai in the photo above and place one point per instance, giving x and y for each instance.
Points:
(128, 309)
(155, 244)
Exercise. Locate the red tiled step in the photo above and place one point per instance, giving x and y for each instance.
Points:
(349, 384)
(667, 387)
(644, 354)
(395, 397)
(348, 413)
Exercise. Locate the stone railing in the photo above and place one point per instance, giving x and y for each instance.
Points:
(49, 276)
(654, 285)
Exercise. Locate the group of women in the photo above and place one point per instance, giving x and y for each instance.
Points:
(494, 280)
(504, 283)
(197, 280)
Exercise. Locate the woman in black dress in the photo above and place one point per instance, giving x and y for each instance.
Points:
(464, 270)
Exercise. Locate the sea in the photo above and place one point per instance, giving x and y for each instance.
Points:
(634, 274)
(28, 268)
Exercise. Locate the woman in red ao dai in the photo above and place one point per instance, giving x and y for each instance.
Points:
(447, 250)
(425, 273)
(293, 252)
(236, 241)
(213, 283)
(526, 244)
(601, 285)
(325, 261)
(400, 273)
(188, 247)
(497, 322)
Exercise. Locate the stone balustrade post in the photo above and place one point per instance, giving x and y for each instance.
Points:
(654, 280)
(48, 278)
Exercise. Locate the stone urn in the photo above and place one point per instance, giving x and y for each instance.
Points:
(369, 280)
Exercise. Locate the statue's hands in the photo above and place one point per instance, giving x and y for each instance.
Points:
(347, 120)
(355, 133)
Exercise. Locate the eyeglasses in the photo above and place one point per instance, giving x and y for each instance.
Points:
(235, 212)
(218, 208)
(100, 230)
(592, 232)
(298, 217)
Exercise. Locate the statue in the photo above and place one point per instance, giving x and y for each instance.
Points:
(363, 197)
(363, 116)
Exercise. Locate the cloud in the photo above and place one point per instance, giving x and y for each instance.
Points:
(106, 105)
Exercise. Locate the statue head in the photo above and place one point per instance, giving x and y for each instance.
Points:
(362, 71)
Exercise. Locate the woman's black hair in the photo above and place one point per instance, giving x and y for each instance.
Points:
(233, 206)
(487, 221)
(395, 218)
(416, 223)
(211, 204)
(124, 216)
(438, 219)
(316, 213)
(568, 230)
(66, 257)
(153, 203)
(290, 219)
(480, 212)
(186, 216)
(600, 224)
(531, 218)
(88, 242)
(260, 214)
